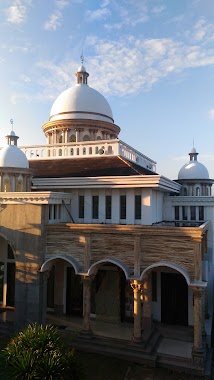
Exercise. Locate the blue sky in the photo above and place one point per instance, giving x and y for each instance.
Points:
(152, 59)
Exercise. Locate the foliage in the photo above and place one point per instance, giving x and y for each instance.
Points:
(37, 353)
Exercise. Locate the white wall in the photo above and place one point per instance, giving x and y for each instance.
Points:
(151, 205)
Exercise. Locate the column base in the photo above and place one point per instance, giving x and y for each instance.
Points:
(58, 309)
(137, 339)
(87, 332)
(198, 357)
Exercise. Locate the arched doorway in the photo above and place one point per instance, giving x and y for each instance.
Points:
(170, 294)
(74, 293)
(64, 287)
(7, 274)
(174, 299)
(109, 290)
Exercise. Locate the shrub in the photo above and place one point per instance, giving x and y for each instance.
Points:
(37, 353)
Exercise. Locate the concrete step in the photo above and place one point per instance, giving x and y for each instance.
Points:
(112, 347)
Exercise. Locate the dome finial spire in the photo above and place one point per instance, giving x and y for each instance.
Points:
(11, 122)
(82, 58)
(81, 73)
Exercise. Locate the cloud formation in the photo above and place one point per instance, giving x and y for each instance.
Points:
(211, 114)
(16, 13)
(100, 13)
(55, 19)
(129, 65)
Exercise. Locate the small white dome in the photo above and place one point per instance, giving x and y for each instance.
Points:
(81, 102)
(193, 151)
(81, 69)
(193, 170)
(12, 157)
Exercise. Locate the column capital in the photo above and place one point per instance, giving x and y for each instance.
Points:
(87, 280)
(136, 285)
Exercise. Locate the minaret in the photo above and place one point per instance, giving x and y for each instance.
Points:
(81, 73)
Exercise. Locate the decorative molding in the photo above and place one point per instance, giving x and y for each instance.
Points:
(139, 181)
(46, 197)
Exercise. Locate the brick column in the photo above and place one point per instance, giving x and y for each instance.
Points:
(87, 304)
(198, 350)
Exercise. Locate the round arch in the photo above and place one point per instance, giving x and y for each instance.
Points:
(167, 264)
(93, 269)
(46, 266)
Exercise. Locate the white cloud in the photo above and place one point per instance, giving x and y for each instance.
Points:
(203, 30)
(55, 19)
(98, 14)
(158, 9)
(16, 13)
(211, 114)
(61, 4)
(129, 14)
(128, 65)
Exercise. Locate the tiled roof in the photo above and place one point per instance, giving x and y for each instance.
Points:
(86, 167)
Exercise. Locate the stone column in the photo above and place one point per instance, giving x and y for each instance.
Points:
(137, 287)
(77, 135)
(198, 350)
(87, 304)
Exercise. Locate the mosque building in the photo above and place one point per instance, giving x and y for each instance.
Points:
(91, 235)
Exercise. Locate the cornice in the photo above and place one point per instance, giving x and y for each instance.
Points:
(142, 181)
(45, 197)
(79, 123)
(176, 200)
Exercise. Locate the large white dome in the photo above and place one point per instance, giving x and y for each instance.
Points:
(12, 157)
(81, 102)
(193, 170)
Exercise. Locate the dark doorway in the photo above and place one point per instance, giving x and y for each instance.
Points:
(108, 294)
(74, 293)
(174, 299)
(10, 284)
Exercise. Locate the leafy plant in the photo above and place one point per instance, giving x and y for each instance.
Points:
(37, 353)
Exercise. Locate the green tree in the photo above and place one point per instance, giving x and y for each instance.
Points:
(37, 353)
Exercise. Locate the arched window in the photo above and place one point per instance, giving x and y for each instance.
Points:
(72, 152)
(60, 139)
(72, 138)
(198, 191)
(99, 138)
(19, 185)
(90, 150)
(207, 190)
(84, 151)
(78, 151)
(109, 149)
(60, 152)
(6, 184)
(86, 138)
(96, 150)
(185, 191)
